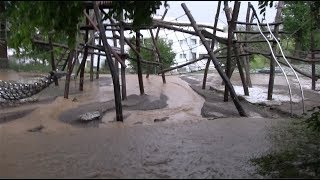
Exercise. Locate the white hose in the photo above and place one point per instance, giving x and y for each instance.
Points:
(279, 66)
(302, 96)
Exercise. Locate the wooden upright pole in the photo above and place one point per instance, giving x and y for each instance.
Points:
(115, 77)
(123, 69)
(139, 63)
(67, 83)
(231, 27)
(247, 58)
(85, 55)
(158, 54)
(215, 62)
(92, 59)
(53, 63)
(98, 65)
(204, 81)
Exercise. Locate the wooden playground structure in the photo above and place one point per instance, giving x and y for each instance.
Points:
(239, 47)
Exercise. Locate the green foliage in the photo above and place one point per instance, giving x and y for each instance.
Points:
(167, 54)
(313, 122)
(139, 11)
(258, 62)
(29, 19)
(32, 67)
(297, 19)
(263, 5)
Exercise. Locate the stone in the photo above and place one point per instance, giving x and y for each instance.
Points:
(90, 116)
(36, 129)
(74, 99)
(161, 119)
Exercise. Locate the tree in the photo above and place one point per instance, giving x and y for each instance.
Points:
(30, 18)
(298, 21)
(166, 52)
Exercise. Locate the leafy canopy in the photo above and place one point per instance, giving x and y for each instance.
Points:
(62, 19)
(166, 52)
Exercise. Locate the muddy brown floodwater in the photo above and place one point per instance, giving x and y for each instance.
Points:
(185, 145)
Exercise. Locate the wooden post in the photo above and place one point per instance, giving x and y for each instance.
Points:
(158, 54)
(158, 29)
(92, 59)
(204, 81)
(274, 48)
(53, 64)
(231, 28)
(139, 63)
(247, 58)
(239, 65)
(123, 69)
(215, 62)
(115, 77)
(156, 38)
(114, 43)
(61, 57)
(98, 65)
(65, 64)
(84, 59)
(67, 83)
(313, 65)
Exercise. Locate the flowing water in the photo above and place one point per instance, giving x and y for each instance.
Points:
(186, 145)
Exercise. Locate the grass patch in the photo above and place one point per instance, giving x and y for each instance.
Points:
(297, 154)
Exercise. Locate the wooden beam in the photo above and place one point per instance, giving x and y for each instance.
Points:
(115, 77)
(181, 65)
(215, 62)
(261, 24)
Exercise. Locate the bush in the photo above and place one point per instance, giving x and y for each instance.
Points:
(30, 67)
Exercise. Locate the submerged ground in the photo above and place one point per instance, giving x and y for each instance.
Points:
(197, 135)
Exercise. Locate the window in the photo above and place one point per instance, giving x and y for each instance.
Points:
(170, 42)
(183, 56)
(193, 41)
(184, 41)
(194, 56)
(202, 55)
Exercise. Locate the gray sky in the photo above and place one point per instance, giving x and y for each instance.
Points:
(204, 11)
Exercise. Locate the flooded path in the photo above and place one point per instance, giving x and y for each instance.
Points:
(186, 145)
(206, 149)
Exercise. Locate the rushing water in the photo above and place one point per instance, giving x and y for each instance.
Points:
(184, 146)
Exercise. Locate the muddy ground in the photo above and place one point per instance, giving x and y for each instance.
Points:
(199, 135)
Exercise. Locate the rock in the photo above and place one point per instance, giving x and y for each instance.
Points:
(90, 116)
(36, 129)
(74, 99)
(161, 119)
(138, 122)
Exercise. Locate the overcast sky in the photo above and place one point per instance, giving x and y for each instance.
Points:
(204, 11)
